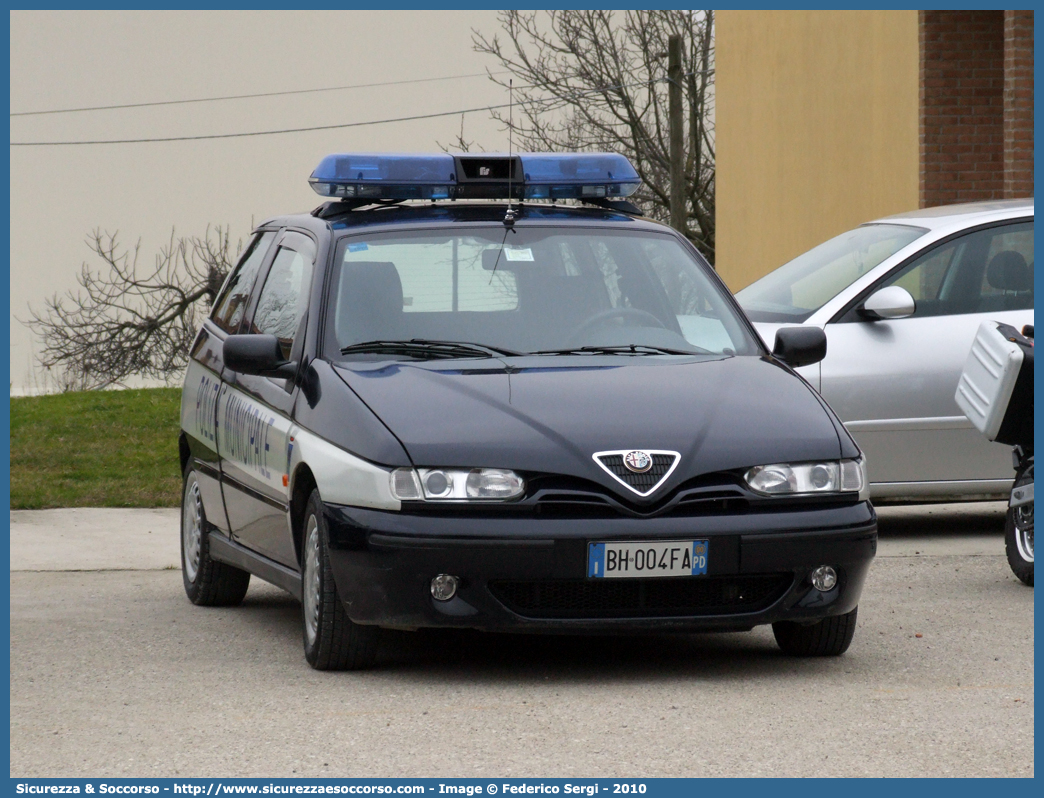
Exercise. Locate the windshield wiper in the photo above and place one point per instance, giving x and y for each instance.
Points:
(624, 349)
(423, 348)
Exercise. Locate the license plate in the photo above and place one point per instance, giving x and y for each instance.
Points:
(619, 559)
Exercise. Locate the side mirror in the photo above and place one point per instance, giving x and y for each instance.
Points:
(259, 355)
(893, 302)
(800, 346)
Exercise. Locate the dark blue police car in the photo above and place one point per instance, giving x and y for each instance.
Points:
(509, 414)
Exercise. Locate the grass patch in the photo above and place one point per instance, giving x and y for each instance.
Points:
(96, 449)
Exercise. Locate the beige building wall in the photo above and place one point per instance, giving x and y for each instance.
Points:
(816, 130)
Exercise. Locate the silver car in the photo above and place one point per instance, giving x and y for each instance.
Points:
(900, 300)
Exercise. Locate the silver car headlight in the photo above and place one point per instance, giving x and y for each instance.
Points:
(456, 484)
(796, 479)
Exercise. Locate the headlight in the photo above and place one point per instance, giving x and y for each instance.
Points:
(789, 479)
(456, 484)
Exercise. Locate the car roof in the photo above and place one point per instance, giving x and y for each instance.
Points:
(333, 217)
(964, 214)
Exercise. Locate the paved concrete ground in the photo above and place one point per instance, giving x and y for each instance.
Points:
(94, 539)
(114, 673)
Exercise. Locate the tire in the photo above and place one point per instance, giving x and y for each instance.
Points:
(829, 637)
(332, 642)
(208, 583)
(1018, 534)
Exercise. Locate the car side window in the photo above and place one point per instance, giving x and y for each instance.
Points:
(986, 271)
(284, 298)
(229, 308)
(925, 277)
(1007, 283)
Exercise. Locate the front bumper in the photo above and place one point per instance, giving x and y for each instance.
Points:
(519, 574)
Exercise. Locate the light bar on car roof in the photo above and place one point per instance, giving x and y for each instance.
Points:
(530, 175)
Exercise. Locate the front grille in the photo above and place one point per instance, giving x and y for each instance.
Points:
(565, 506)
(641, 598)
(575, 505)
(642, 483)
(566, 497)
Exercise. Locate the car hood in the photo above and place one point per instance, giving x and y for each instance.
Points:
(550, 415)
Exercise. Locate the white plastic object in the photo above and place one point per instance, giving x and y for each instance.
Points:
(988, 379)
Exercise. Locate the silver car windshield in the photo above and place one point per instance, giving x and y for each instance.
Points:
(797, 289)
(422, 294)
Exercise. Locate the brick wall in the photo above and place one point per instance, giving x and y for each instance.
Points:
(962, 105)
(1018, 104)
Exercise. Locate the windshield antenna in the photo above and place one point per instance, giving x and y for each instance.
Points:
(509, 217)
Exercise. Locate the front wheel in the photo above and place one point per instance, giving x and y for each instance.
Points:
(829, 637)
(331, 640)
(1018, 533)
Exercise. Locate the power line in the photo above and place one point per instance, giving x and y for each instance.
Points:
(259, 132)
(550, 102)
(251, 96)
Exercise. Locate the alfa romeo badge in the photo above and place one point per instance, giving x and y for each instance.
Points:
(637, 461)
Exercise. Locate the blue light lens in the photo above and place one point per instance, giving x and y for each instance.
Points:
(577, 168)
(386, 167)
(585, 175)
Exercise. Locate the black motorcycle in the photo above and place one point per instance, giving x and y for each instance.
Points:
(996, 393)
(1018, 526)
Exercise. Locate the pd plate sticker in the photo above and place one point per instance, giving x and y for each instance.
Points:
(518, 254)
(644, 559)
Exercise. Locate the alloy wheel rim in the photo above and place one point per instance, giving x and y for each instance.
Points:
(310, 597)
(192, 528)
(1024, 532)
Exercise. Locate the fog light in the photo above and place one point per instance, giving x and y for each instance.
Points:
(823, 579)
(444, 587)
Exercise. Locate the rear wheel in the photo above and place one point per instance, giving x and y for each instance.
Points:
(331, 640)
(207, 582)
(1018, 534)
(829, 637)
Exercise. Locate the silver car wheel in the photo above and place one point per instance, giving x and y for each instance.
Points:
(310, 583)
(191, 527)
(1024, 531)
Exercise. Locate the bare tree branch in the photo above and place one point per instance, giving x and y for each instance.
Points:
(597, 80)
(459, 143)
(127, 319)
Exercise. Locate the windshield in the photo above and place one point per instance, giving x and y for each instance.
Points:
(797, 289)
(522, 291)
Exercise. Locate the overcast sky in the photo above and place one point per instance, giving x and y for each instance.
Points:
(72, 59)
